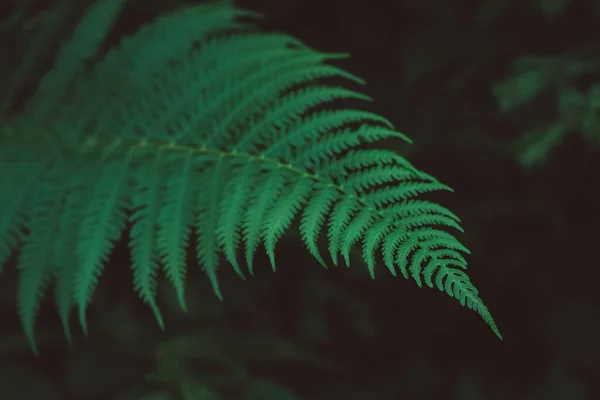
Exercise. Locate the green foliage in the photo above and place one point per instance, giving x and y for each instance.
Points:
(590, 124)
(201, 123)
(577, 109)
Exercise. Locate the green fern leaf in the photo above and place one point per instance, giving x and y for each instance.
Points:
(147, 190)
(262, 199)
(201, 122)
(313, 218)
(280, 218)
(34, 262)
(174, 218)
(103, 221)
(228, 231)
(207, 207)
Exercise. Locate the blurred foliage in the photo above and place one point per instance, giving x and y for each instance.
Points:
(488, 90)
(29, 35)
(576, 108)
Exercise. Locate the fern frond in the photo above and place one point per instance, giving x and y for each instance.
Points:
(201, 122)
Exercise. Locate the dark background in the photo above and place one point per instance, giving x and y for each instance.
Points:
(310, 333)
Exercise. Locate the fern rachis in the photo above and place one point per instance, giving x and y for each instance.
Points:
(202, 123)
